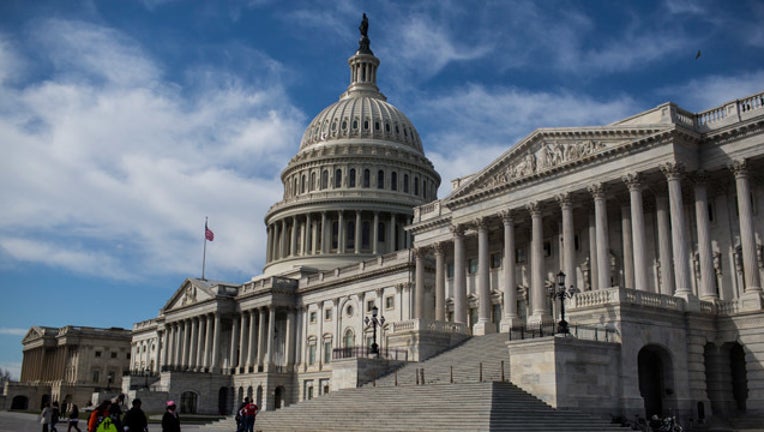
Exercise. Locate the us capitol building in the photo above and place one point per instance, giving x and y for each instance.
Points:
(654, 220)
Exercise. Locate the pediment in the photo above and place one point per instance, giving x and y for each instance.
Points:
(37, 332)
(191, 291)
(549, 150)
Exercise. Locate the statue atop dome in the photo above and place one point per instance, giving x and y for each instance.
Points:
(363, 43)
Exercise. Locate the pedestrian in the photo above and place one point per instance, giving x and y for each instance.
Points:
(249, 411)
(115, 413)
(170, 420)
(135, 420)
(54, 415)
(240, 416)
(74, 418)
(98, 414)
(45, 416)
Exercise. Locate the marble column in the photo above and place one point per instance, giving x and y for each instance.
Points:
(193, 345)
(269, 239)
(674, 173)
(293, 237)
(289, 338)
(184, 346)
(568, 238)
(707, 288)
(440, 282)
(284, 246)
(340, 232)
(357, 233)
(483, 326)
(234, 354)
(510, 317)
(208, 340)
(627, 247)
(460, 281)
(747, 232)
(248, 331)
(324, 221)
(375, 235)
(603, 243)
(307, 246)
(243, 341)
(664, 245)
(391, 246)
(215, 344)
(593, 284)
(271, 335)
(539, 311)
(261, 338)
(419, 254)
(165, 349)
(634, 184)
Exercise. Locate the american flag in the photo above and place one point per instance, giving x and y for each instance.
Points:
(208, 234)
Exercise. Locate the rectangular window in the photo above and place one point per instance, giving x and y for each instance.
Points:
(327, 314)
(389, 302)
(96, 376)
(450, 270)
(369, 305)
(308, 389)
(547, 249)
(495, 260)
(313, 317)
(472, 266)
(520, 255)
(312, 354)
(327, 351)
(98, 354)
(114, 354)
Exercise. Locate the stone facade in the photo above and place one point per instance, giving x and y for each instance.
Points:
(654, 220)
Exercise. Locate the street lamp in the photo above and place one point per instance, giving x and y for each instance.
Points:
(561, 293)
(374, 322)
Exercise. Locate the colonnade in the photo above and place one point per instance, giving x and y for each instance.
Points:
(192, 343)
(314, 234)
(673, 251)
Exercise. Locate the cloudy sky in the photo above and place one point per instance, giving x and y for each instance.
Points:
(124, 124)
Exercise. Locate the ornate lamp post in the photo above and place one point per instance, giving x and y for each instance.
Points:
(561, 293)
(374, 322)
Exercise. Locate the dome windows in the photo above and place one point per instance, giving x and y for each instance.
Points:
(380, 179)
(338, 178)
(394, 181)
(351, 178)
(355, 124)
(366, 178)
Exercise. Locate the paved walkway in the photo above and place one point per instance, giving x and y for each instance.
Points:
(24, 422)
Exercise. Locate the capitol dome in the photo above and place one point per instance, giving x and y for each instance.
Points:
(352, 186)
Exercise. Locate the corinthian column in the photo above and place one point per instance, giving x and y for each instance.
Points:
(539, 312)
(707, 290)
(440, 282)
(483, 283)
(674, 172)
(510, 286)
(603, 243)
(568, 246)
(460, 282)
(637, 230)
(419, 254)
(747, 233)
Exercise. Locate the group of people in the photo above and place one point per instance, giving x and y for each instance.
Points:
(106, 417)
(245, 417)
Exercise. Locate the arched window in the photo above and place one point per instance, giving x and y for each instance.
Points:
(351, 178)
(394, 181)
(294, 188)
(366, 178)
(302, 186)
(424, 188)
(405, 183)
(349, 340)
(312, 181)
(324, 179)
(338, 178)
(380, 179)
(416, 185)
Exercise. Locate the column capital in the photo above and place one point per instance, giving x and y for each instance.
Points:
(507, 216)
(739, 168)
(633, 181)
(672, 170)
(534, 208)
(457, 230)
(439, 248)
(420, 252)
(699, 178)
(565, 200)
(480, 223)
(597, 190)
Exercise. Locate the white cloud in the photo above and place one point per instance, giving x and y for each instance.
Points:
(712, 91)
(13, 331)
(116, 167)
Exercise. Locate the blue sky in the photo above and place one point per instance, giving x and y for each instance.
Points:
(124, 124)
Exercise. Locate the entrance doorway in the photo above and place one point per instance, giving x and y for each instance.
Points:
(188, 403)
(223, 401)
(279, 397)
(739, 376)
(655, 379)
(20, 403)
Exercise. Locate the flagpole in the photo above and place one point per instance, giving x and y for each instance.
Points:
(204, 256)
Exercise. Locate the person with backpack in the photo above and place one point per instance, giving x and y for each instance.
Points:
(240, 416)
(98, 415)
(45, 416)
(170, 420)
(135, 419)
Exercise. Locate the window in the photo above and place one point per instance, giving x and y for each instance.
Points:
(313, 317)
(335, 235)
(114, 354)
(365, 235)
(312, 181)
(369, 305)
(405, 183)
(311, 353)
(710, 212)
(338, 178)
(366, 178)
(302, 185)
(495, 260)
(381, 232)
(450, 270)
(424, 188)
(96, 375)
(389, 302)
(308, 389)
(380, 179)
(349, 340)
(547, 249)
(327, 314)
(327, 351)
(416, 185)
(472, 266)
(98, 354)
(350, 236)
(349, 311)
(519, 255)
(351, 178)
(576, 242)
(394, 181)
(324, 179)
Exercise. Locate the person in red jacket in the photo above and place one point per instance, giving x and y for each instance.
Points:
(98, 414)
(249, 412)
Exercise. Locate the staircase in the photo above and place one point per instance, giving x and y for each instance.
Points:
(466, 405)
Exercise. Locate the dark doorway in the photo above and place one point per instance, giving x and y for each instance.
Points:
(20, 403)
(651, 380)
(739, 376)
(188, 402)
(223, 401)
(279, 397)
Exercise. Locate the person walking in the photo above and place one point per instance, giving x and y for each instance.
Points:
(171, 420)
(249, 411)
(135, 419)
(45, 416)
(74, 418)
(54, 415)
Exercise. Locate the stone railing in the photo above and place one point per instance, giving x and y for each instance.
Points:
(730, 112)
(436, 326)
(728, 307)
(618, 295)
(380, 262)
(428, 211)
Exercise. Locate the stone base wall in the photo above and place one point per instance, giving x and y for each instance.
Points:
(355, 372)
(206, 386)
